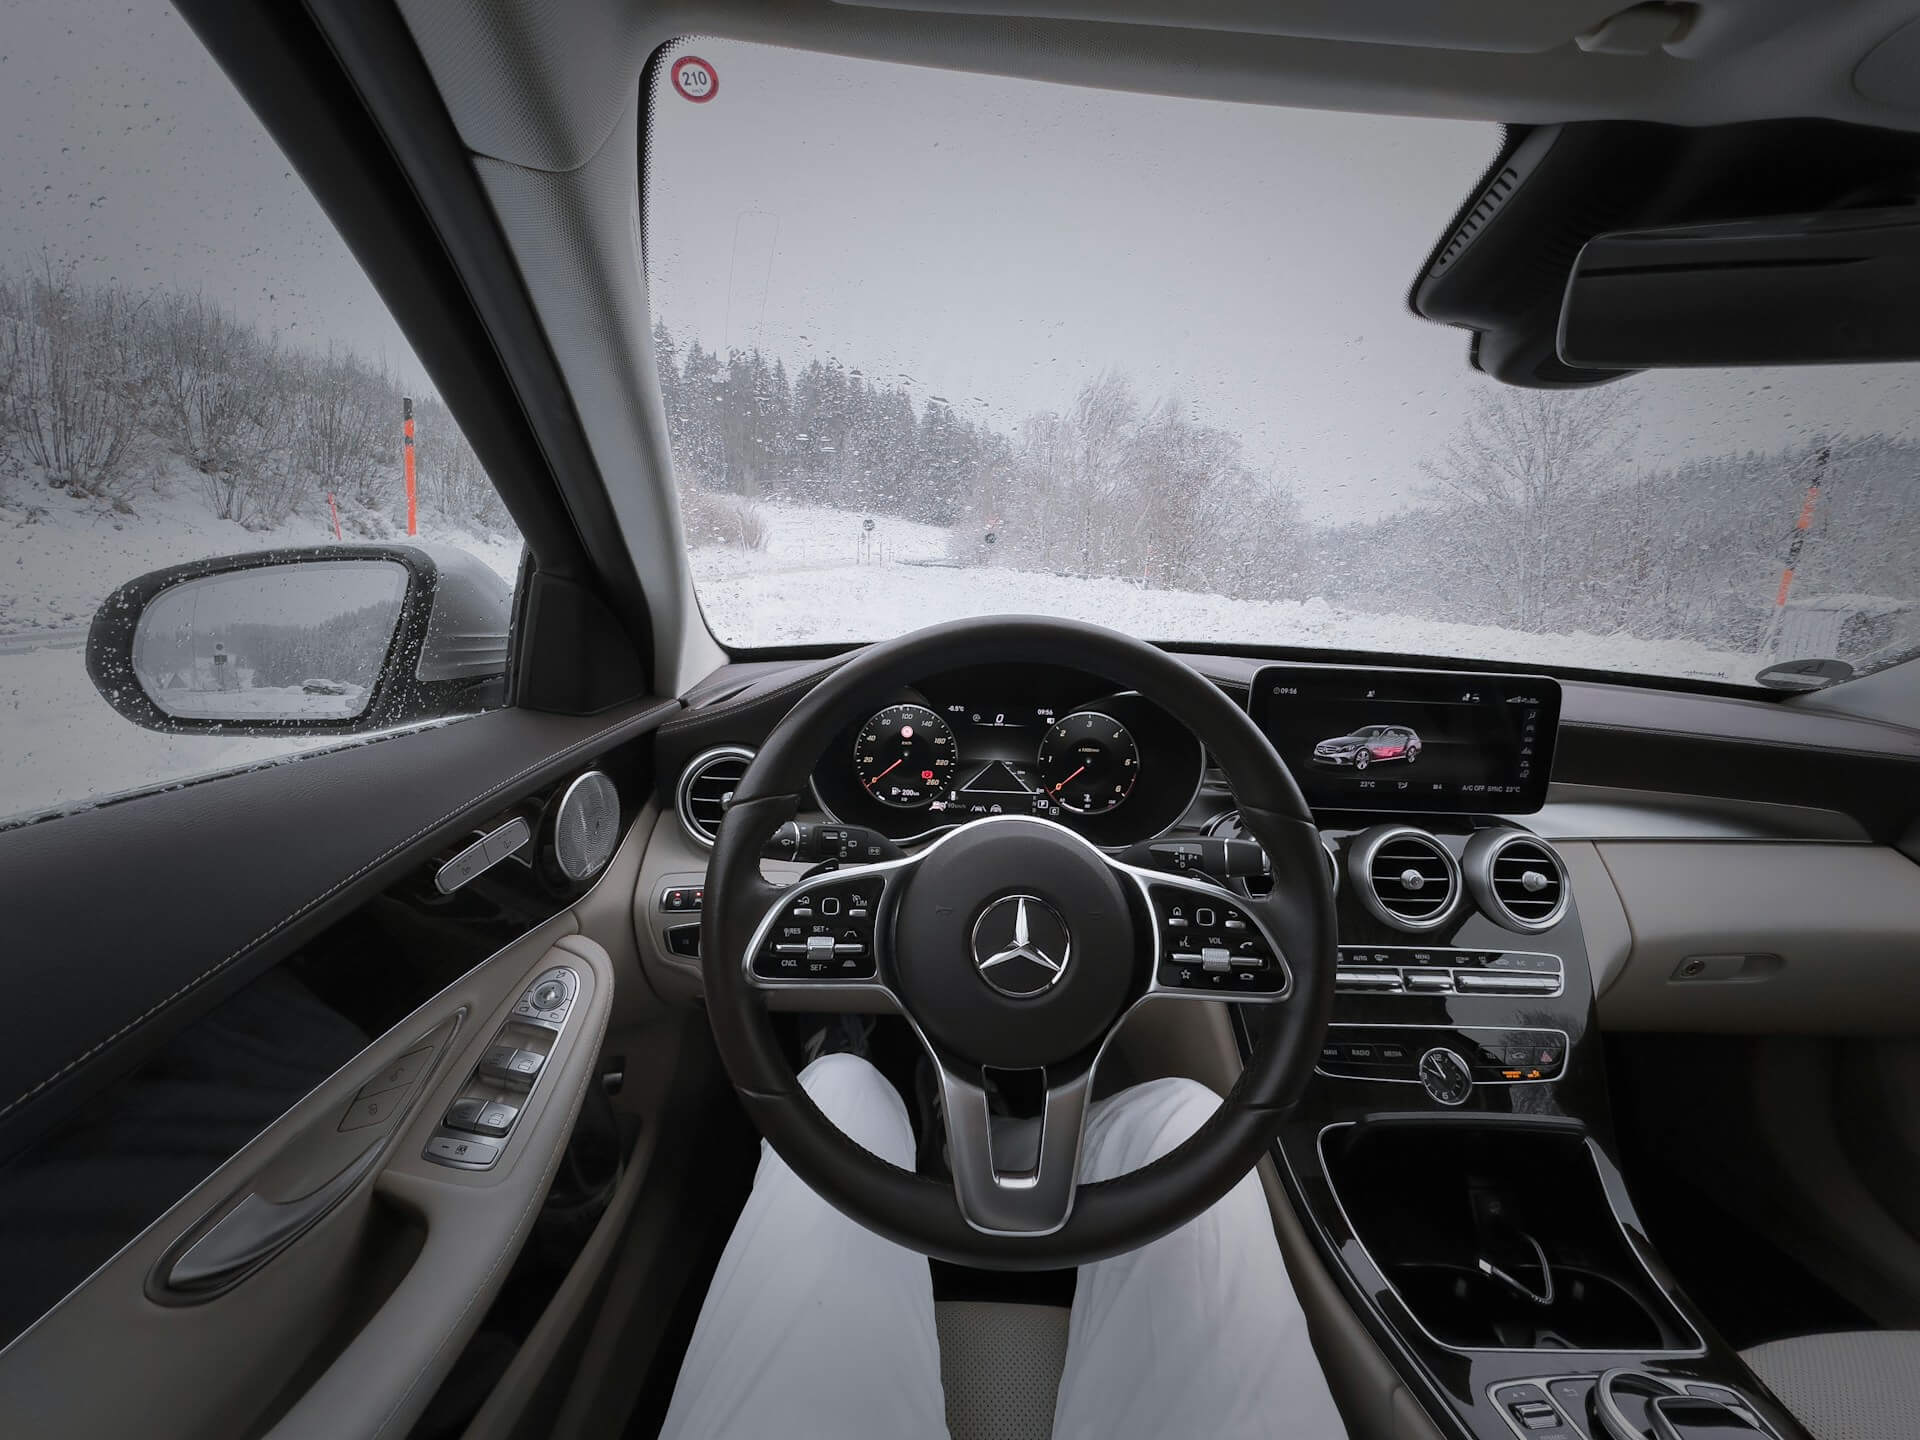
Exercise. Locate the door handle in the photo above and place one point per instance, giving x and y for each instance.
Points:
(255, 1230)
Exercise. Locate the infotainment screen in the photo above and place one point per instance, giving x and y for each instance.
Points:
(1364, 739)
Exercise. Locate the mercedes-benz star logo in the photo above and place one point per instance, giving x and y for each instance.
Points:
(1021, 945)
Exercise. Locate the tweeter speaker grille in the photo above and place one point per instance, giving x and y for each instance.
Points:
(586, 826)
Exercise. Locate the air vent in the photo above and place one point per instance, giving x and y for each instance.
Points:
(1227, 826)
(706, 785)
(1516, 879)
(1406, 877)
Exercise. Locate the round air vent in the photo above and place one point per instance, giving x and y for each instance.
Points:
(586, 826)
(706, 785)
(1516, 879)
(1406, 877)
(1227, 826)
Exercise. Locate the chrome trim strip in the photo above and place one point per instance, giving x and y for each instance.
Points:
(1699, 1347)
(1558, 967)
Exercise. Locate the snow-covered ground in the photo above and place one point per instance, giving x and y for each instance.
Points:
(760, 598)
(61, 745)
(822, 576)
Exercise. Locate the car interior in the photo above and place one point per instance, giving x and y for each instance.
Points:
(1566, 1015)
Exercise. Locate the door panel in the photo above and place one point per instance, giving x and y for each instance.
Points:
(142, 915)
(346, 1326)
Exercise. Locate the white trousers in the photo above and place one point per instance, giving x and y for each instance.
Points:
(815, 1326)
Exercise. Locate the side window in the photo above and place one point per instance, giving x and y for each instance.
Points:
(193, 366)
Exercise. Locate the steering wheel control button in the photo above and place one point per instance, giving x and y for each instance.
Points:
(825, 934)
(1021, 946)
(467, 1152)
(549, 997)
(1211, 945)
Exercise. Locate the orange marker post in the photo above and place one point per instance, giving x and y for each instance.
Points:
(1794, 547)
(413, 514)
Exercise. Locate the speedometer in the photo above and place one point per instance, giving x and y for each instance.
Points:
(903, 756)
(1088, 763)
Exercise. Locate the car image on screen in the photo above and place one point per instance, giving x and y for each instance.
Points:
(1369, 745)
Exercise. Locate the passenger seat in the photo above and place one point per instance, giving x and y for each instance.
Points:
(1855, 1385)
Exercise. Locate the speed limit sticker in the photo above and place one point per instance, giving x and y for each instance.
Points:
(695, 79)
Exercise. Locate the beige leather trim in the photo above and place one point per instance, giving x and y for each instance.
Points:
(1196, 1040)
(346, 1331)
(1788, 938)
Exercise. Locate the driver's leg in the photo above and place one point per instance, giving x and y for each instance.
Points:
(814, 1325)
(1198, 1333)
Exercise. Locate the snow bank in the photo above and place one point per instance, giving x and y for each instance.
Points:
(806, 587)
(61, 745)
(61, 556)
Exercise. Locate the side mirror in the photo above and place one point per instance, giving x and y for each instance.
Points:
(330, 639)
(1835, 287)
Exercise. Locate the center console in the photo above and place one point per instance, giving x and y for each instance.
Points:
(1453, 1158)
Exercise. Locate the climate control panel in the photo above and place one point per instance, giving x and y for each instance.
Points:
(1444, 1058)
(1437, 970)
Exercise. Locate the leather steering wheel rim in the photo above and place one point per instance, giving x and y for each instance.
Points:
(922, 1213)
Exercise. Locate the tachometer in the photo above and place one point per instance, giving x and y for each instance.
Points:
(1088, 763)
(903, 756)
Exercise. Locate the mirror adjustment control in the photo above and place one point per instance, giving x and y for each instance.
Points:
(549, 997)
(505, 1065)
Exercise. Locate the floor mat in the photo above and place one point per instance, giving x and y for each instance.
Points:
(1000, 1365)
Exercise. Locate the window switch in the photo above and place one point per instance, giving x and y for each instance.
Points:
(509, 1066)
(496, 1118)
(464, 1114)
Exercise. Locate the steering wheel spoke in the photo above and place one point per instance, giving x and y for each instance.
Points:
(1016, 1165)
(826, 933)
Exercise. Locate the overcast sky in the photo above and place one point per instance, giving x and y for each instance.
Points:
(999, 242)
(124, 149)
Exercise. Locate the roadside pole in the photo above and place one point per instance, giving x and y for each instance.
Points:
(1794, 546)
(406, 426)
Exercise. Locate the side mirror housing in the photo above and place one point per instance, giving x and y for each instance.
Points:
(320, 640)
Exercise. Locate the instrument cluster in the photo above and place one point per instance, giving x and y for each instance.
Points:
(1013, 740)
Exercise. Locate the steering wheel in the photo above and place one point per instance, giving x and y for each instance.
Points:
(1014, 944)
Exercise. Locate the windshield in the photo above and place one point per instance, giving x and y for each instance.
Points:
(936, 344)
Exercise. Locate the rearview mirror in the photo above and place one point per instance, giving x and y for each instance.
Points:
(328, 639)
(1830, 288)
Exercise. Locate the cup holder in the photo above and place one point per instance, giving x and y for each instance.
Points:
(1498, 1238)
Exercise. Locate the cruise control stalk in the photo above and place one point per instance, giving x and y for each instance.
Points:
(1217, 859)
(848, 844)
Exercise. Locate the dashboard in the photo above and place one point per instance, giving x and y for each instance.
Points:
(1013, 740)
